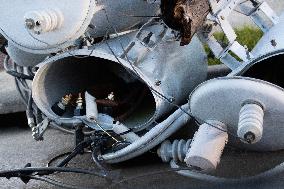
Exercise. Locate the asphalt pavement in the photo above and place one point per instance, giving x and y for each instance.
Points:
(17, 148)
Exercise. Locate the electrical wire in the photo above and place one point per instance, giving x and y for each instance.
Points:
(29, 173)
(57, 157)
(48, 170)
(152, 173)
(70, 131)
(160, 95)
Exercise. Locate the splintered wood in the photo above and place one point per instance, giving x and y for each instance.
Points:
(185, 16)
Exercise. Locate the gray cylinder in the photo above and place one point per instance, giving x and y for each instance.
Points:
(207, 146)
(161, 66)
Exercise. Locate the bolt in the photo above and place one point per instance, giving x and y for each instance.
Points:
(111, 96)
(30, 23)
(66, 99)
(273, 42)
(158, 83)
(171, 99)
(79, 110)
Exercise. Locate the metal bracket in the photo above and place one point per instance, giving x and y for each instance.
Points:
(144, 42)
(256, 13)
(220, 12)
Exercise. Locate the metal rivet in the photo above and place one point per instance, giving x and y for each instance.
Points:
(158, 83)
(273, 42)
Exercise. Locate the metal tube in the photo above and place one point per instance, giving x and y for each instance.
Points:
(91, 107)
(207, 146)
(152, 138)
(129, 136)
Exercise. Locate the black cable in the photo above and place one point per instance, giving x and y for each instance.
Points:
(152, 173)
(20, 92)
(19, 75)
(29, 110)
(75, 152)
(40, 171)
(57, 157)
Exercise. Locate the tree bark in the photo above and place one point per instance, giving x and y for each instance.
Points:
(185, 16)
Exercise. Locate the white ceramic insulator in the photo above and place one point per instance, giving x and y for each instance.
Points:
(91, 107)
(207, 146)
(119, 128)
(44, 20)
(251, 122)
(176, 150)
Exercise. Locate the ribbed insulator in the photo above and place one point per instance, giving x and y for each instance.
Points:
(207, 146)
(250, 125)
(176, 150)
(41, 21)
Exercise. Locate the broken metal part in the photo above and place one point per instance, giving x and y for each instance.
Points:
(219, 18)
(186, 16)
(142, 65)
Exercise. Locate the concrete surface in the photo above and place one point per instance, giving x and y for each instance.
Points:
(17, 148)
(10, 100)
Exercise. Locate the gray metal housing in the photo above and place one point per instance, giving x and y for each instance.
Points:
(160, 63)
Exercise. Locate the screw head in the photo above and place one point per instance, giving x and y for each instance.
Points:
(171, 99)
(249, 137)
(158, 83)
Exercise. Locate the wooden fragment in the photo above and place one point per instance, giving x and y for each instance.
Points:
(185, 16)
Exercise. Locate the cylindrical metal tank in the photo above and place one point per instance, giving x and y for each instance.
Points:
(49, 26)
(150, 62)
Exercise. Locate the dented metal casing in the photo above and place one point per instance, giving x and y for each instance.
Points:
(152, 55)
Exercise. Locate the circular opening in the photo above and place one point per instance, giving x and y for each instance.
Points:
(118, 92)
(268, 69)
